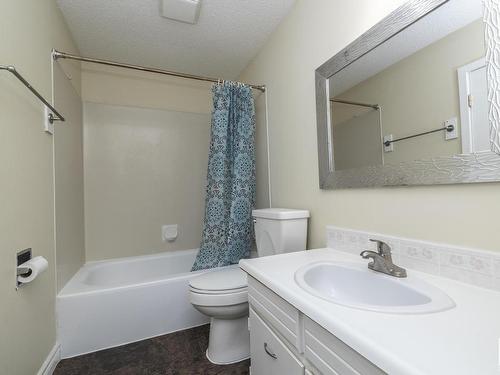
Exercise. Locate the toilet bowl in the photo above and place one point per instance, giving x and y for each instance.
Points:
(222, 294)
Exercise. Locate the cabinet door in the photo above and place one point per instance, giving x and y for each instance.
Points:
(331, 356)
(269, 354)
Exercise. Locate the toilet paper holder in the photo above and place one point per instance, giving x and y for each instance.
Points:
(23, 271)
(22, 257)
(29, 268)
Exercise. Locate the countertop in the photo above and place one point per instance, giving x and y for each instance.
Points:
(463, 340)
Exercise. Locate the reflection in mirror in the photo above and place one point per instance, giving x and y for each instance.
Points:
(422, 94)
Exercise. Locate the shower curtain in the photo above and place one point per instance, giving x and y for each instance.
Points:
(228, 227)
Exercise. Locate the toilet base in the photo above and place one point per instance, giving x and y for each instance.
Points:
(229, 341)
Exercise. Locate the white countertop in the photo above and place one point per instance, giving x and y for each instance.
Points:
(463, 340)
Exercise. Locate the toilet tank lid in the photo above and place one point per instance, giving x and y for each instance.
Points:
(221, 279)
(280, 213)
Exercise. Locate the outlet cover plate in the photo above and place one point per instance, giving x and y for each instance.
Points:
(389, 148)
(48, 127)
(454, 133)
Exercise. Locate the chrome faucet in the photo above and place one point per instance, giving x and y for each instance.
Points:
(382, 260)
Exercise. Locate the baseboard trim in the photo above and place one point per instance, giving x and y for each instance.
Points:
(50, 363)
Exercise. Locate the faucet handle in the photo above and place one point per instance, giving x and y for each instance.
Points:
(382, 247)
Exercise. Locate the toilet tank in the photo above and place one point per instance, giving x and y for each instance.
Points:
(280, 230)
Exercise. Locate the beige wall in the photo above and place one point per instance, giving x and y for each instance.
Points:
(357, 142)
(68, 180)
(313, 32)
(429, 78)
(146, 146)
(28, 31)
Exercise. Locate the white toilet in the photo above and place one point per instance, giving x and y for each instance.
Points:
(222, 294)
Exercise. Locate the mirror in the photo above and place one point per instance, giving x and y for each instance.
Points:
(413, 108)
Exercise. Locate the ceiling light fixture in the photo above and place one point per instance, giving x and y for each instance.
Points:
(186, 11)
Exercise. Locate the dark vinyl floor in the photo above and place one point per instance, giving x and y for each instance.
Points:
(179, 353)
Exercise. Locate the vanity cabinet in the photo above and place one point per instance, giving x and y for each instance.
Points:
(330, 355)
(270, 355)
(285, 341)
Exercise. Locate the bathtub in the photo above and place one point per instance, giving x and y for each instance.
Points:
(115, 302)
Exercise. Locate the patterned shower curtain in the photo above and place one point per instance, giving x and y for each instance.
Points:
(228, 227)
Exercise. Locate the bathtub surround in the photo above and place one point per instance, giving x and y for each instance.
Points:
(230, 195)
(140, 93)
(313, 32)
(30, 29)
(139, 176)
(120, 102)
(68, 180)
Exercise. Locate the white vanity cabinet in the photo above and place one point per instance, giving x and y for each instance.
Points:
(283, 341)
(270, 355)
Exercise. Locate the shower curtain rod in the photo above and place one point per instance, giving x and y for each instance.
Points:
(62, 55)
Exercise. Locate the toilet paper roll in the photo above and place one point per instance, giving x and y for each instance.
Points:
(36, 265)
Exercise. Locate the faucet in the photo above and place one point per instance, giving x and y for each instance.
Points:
(382, 260)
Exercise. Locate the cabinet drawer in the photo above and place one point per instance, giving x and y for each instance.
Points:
(331, 356)
(270, 356)
(282, 316)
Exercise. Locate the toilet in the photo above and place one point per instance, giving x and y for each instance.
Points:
(222, 294)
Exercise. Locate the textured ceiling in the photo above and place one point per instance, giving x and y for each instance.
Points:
(227, 36)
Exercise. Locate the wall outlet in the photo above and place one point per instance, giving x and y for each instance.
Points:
(389, 148)
(47, 126)
(448, 135)
(169, 232)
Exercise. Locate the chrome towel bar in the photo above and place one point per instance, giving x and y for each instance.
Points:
(448, 128)
(55, 115)
(349, 102)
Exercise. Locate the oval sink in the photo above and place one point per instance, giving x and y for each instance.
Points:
(354, 285)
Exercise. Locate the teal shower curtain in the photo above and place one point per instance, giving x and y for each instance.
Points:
(228, 227)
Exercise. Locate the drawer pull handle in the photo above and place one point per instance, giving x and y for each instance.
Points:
(269, 352)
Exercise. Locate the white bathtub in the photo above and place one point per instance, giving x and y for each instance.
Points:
(119, 301)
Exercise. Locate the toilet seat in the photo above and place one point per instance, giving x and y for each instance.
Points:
(222, 287)
(220, 280)
(217, 292)
(222, 299)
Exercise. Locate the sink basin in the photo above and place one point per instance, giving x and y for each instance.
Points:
(354, 285)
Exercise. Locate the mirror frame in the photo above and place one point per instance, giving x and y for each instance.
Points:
(457, 169)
